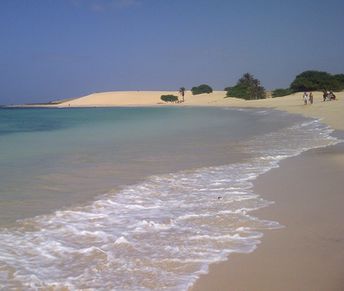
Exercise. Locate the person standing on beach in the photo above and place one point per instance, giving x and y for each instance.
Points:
(182, 92)
(332, 96)
(311, 97)
(305, 97)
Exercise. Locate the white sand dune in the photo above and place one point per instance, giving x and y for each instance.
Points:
(139, 98)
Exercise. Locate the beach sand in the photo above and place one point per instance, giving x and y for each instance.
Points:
(308, 253)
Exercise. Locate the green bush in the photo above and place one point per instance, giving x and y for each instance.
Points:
(238, 91)
(317, 81)
(247, 88)
(204, 88)
(169, 98)
(281, 92)
(340, 79)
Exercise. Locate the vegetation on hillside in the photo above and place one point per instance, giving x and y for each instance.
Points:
(281, 92)
(204, 88)
(317, 81)
(247, 88)
(312, 81)
(340, 79)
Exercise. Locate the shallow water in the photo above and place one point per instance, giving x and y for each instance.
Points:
(54, 158)
(135, 199)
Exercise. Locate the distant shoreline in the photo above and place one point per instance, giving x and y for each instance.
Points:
(329, 112)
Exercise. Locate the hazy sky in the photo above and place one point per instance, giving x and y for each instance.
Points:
(53, 49)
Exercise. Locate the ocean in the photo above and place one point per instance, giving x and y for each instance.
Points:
(135, 198)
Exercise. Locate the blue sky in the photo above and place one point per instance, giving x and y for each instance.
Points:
(53, 49)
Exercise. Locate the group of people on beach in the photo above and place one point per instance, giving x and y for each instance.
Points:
(308, 98)
(327, 96)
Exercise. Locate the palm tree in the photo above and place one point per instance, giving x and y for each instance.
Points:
(182, 92)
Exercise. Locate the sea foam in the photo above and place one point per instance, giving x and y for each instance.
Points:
(159, 234)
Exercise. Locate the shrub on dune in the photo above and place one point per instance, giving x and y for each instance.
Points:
(169, 98)
(204, 88)
(281, 92)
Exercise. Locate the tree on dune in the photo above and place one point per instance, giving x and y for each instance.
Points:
(306, 81)
(312, 81)
(317, 81)
(247, 88)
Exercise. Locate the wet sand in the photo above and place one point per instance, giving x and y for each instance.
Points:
(308, 253)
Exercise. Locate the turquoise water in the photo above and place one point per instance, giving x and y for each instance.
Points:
(51, 158)
(135, 198)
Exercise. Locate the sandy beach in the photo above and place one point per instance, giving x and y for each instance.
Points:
(307, 253)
